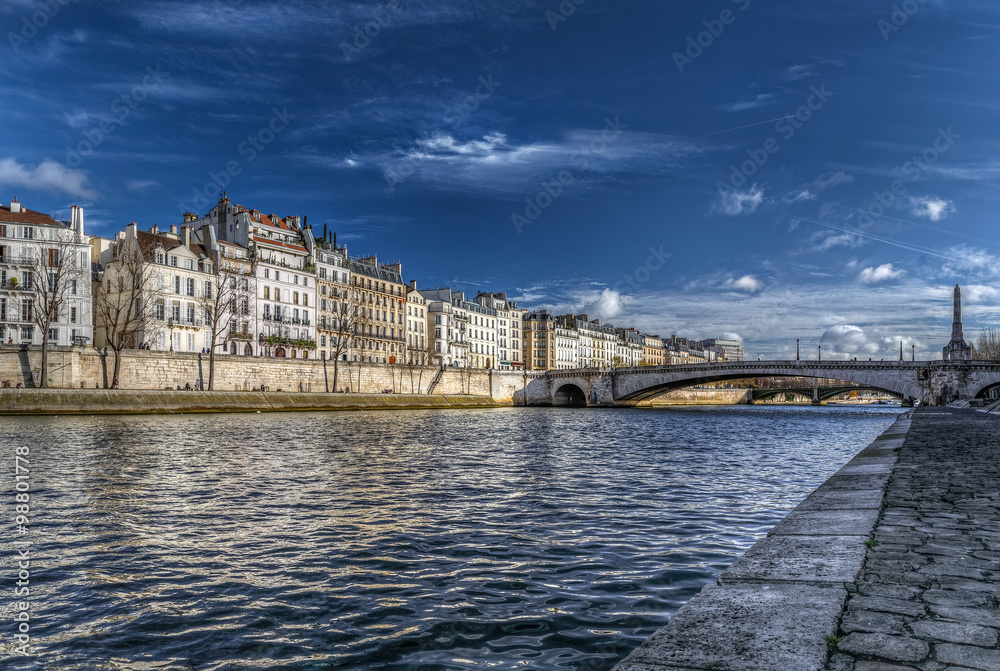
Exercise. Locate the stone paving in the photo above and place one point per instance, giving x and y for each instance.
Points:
(928, 596)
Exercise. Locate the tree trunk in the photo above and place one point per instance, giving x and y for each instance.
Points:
(117, 369)
(335, 366)
(43, 381)
(211, 368)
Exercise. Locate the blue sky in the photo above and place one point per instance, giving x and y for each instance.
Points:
(779, 170)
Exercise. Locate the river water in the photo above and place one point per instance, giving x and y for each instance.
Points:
(516, 538)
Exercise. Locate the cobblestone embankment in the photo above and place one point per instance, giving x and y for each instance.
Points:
(929, 595)
(779, 606)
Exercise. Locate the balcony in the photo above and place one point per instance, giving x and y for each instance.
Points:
(11, 286)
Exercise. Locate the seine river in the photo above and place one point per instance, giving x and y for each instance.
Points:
(492, 539)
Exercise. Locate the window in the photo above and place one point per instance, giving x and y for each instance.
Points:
(177, 284)
(267, 293)
(267, 312)
(208, 289)
(27, 313)
(27, 332)
(190, 286)
(72, 315)
(160, 259)
(305, 299)
(277, 294)
(190, 313)
(29, 233)
(276, 277)
(305, 281)
(26, 278)
(189, 264)
(295, 297)
(53, 334)
(72, 287)
(158, 309)
(295, 278)
(53, 258)
(175, 312)
(173, 261)
(267, 274)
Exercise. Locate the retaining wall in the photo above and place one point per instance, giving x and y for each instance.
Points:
(776, 605)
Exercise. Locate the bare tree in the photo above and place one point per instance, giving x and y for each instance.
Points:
(987, 346)
(225, 301)
(120, 306)
(55, 268)
(343, 327)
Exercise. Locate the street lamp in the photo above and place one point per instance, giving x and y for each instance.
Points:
(170, 324)
(796, 349)
(913, 352)
(820, 352)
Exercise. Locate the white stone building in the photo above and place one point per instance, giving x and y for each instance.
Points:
(567, 348)
(31, 241)
(418, 346)
(284, 320)
(508, 330)
(448, 324)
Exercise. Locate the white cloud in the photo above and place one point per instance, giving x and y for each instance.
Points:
(729, 335)
(847, 340)
(883, 272)
(747, 283)
(761, 100)
(932, 208)
(970, 260)
(827, 241)
(608, 306)
(734, 202)
(141, 184)
(48, 176)
(496, 164)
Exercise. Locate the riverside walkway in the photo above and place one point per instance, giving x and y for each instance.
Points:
(928, 596)
(891, 565)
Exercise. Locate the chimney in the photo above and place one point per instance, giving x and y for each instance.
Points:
(15, 207)
(186, 235)
(76, 219)
(413, 284)
(131, 230)
(173, 229)
(154, 229)
(189, 216)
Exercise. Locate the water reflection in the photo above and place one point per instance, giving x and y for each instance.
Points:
(550, 539)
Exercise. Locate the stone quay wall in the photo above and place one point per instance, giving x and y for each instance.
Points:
(779, 606)
(90, 368)
(699, 397)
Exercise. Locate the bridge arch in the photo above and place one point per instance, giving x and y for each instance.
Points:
(569, 396)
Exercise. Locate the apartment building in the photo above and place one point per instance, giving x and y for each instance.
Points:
(44, 263)
(380, 307)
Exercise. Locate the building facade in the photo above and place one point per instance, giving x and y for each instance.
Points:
(380, 333)
(44, 262)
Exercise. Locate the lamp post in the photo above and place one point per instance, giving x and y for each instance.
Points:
(913, 352)
(820, 349)
(796, 349)
(170, 324)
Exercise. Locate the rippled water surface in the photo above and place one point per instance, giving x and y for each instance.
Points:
(492, 539)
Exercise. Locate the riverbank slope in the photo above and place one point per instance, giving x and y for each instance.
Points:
(129, 401)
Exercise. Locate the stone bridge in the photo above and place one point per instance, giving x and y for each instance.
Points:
(817, 394)
(930, 382)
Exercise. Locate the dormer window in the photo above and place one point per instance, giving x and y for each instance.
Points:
(160, 258)
(173, 261)
(189, 264)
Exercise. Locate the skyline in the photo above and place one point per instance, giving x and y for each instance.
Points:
(669, 184)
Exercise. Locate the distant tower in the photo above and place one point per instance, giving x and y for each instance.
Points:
(957, 349)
